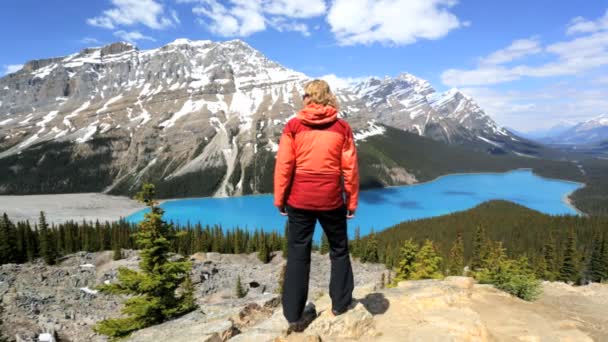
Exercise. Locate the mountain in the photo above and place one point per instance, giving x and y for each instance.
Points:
(198, 118)
(409, 103)
(592, 131)
(545, 133)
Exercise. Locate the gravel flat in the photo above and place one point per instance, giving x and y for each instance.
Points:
(64, 207)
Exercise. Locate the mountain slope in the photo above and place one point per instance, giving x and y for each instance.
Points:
(202, 118)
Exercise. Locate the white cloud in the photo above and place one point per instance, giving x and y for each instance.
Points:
(282, 24)
(601, 80)
(517, 49)
(132, 12)
(570, 57)
(396, 22)
(295, 8)
(11, 68)
(89, 40)
(541, 108)
(241, 18)
(336, 82)
(132, 37)
(582, 25)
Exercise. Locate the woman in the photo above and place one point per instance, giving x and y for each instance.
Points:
(316, 178)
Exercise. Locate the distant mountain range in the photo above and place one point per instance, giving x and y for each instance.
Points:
(201, 118)
(587, 133)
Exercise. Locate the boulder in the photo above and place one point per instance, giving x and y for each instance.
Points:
(353, 324)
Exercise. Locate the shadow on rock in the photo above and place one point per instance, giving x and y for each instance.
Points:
(375, 303)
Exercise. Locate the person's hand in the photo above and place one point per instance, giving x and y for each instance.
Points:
(282, 210)
(350, 214)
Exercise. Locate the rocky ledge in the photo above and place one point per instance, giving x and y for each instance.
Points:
(57, 300)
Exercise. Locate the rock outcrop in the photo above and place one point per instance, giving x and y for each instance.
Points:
(61, 301)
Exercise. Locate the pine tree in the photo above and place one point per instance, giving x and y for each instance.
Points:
(154, 289)
(284, 242)
(47, 247)
(479, 243)
(31, 243)
(427, 264)
(240, 291)
(596, 267)
(371, 249)
(237, 242)
(407, 257)
(550, 258)
(8, 241)
(324, 248)
(264, 253)
(117, 252)
(356, 245)
(605, 259)
(569, 271)
(21, 249)
(456, 261)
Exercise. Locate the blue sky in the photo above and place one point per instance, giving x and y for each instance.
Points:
(530, 64)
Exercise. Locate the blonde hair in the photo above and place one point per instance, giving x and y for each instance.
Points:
(319, 92)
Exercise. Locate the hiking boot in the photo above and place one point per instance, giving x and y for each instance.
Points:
(309, 315)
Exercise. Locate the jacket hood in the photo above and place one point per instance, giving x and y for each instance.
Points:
(316, 114)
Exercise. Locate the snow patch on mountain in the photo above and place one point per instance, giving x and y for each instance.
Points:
(373, 129)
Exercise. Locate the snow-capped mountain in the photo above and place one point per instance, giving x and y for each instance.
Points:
(411, 104)
(591, 131)
(198, 112)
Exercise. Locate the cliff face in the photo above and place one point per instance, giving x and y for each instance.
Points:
(61, 300)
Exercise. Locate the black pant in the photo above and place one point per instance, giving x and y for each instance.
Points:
(300, 230)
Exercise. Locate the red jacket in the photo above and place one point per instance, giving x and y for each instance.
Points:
(316, 152)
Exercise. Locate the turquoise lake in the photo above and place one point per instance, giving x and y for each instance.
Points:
(382, 208)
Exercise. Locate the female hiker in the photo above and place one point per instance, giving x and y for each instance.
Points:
(316, 178)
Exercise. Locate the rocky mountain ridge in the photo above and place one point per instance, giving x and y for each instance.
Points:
(199, 109)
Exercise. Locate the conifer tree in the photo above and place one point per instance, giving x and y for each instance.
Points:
(154, 289)
(550, 258)
(479, 243)
(237, 242)
(240, 291)
(263, 253)
(456, 261)
(596, 267)
(21, 248)
(284, 242)
(324, 248)
(47, 247)
(541, 269)
(605, 259)
(569, 272)
(427, 264)
(31, 243)
(117, 252)
(371, 249)
(356, 245)
(8, 241)
(407, 257)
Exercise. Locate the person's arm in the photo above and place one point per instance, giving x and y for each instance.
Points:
(283, 170)
(350, 173)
